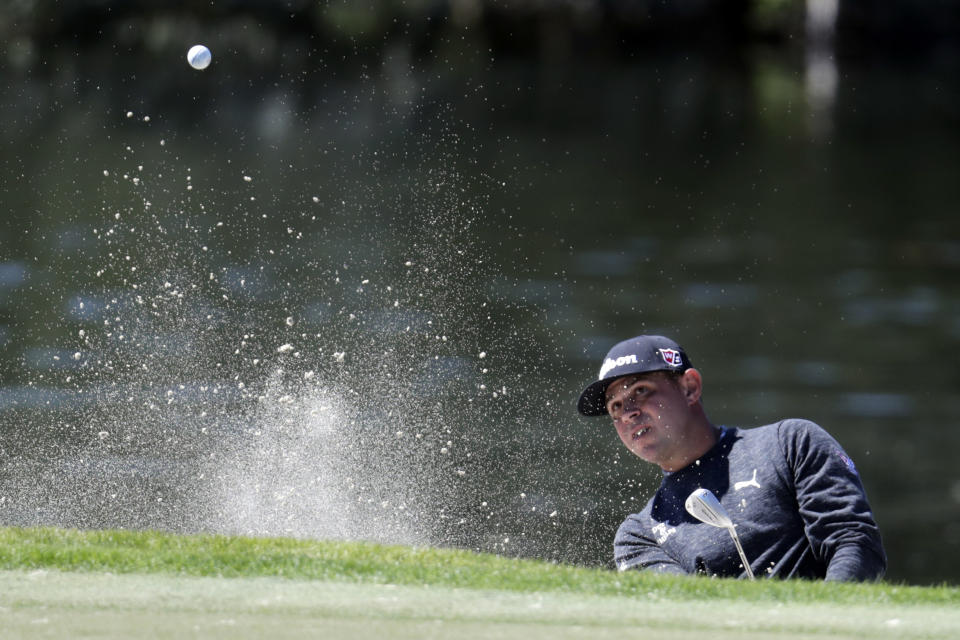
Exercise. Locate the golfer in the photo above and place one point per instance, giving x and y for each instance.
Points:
(793, 494)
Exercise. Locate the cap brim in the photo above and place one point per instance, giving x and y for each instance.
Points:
(593, 399)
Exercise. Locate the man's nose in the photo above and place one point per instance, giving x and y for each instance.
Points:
(630, 405)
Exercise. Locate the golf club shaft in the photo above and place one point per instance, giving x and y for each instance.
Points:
(743, 556)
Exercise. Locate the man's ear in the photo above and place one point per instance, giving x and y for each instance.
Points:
(691, 383)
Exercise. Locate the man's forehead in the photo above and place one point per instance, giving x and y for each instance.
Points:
(627, 381)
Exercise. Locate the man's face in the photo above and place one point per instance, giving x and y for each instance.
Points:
(651, 413)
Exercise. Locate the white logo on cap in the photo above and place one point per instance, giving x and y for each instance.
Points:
(610, 363)
(672, 357)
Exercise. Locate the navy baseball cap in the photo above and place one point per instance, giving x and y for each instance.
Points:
(642, 354)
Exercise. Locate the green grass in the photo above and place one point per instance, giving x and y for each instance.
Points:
(114, 583)
(234, 556)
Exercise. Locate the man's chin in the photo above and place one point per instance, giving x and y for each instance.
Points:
(644, 453)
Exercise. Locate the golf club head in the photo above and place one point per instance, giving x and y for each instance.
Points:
(705, 507)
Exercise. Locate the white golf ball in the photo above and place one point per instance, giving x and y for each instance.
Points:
(199, 56)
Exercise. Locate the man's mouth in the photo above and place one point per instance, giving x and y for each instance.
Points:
(640, 433)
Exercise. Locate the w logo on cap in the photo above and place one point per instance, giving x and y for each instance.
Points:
(672, 357)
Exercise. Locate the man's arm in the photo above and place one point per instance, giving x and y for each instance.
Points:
(838, 521)
(634, 550)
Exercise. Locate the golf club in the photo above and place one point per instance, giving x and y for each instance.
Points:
(705, 507)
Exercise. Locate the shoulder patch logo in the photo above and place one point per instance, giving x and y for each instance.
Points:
(847, 461)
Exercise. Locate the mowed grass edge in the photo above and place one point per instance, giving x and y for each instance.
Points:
(151, 552)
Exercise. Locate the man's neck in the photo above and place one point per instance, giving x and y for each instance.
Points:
(703, 438)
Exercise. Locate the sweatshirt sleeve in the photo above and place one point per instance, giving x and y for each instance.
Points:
(634, 550)
(837, 518)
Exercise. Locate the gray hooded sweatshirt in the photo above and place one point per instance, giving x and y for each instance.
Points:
(796, 500)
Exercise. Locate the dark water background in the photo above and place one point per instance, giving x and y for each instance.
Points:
(355, 292)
